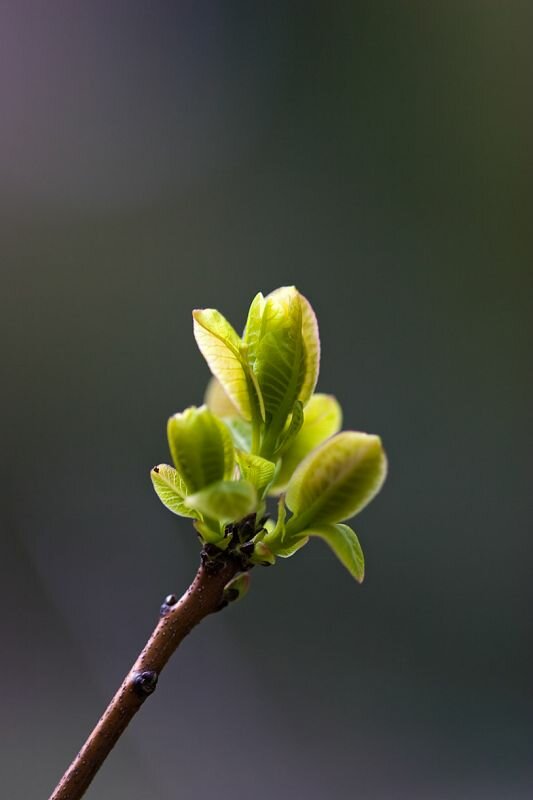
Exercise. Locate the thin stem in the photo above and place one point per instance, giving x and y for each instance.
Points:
(204, 596)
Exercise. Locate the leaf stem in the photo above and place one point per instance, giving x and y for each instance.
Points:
(203, 597)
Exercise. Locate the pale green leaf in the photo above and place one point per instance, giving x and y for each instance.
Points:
(262, 554)
(212, 533)
(171, 490)
(218, 401)
(201, 447)
(241, 432)
(336, 480)
(291, 547)
(220, 345)
(292, 429)
(312, 349)
(282, 298)
(255, 469)
(345, 544)
(253, 329)
(225, 501)
(322, 418)
(280, 364)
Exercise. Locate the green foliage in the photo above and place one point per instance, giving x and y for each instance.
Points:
(201, 447)
(345, 544)
(336, 480)
(322, 418)
(224, 501)
(171, 490)
(263, 431)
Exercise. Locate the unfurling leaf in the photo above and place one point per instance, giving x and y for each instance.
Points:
(312, 349)
(292, 429)
(220, 345)
(225, 501)
(255, 469)
(322, 418)
(345, 544)
(201, 448)
(171, 490)
(336, 480)
(279, 363)
(254, 326)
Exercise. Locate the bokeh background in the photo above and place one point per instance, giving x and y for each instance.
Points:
(156, 157)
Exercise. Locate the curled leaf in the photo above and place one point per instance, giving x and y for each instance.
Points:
(345, 544)
(171, 490)
(291, 547)
(279, 363)
(201, 447)
(292, 429)
(336, 480)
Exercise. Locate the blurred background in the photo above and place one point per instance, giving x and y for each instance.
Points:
(156, 157)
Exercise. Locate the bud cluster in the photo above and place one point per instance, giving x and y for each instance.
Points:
(264, 431)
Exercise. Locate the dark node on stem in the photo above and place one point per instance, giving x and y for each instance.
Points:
(246, 528)
(145, 682)
(212, 567)
(212, 558)
(248, 548)
(169, 601)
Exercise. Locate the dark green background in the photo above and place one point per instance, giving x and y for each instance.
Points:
(156, 157)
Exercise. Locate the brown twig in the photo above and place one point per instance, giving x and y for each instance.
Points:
(178, 618)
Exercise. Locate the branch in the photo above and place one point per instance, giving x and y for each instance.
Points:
(203, 597)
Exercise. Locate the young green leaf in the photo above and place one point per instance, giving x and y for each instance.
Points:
(201, 447)
(241, 432)
(279, 363)
(255, 469)
(225, 501)
(171, 490)
(292, 429)
(282, 297)
(345, 544)
(262, 554)
(336, 480)
(322, 418)
(291, 547)
(254, 325)
(220, 345)
(312, 349)
(218, 401)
